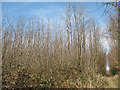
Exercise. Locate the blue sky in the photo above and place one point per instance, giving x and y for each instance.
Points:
(50, 9)
(28, 9)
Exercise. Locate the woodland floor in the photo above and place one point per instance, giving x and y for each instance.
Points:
(60, 78)
(112, 81)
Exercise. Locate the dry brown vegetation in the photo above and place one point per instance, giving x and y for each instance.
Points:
(41, 55)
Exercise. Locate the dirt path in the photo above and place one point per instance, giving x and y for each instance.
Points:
(111, 83)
